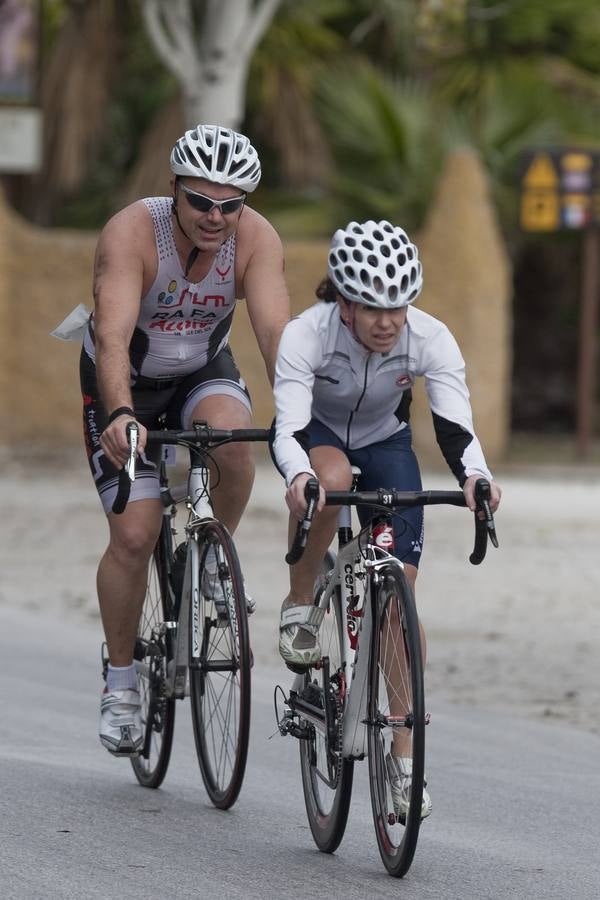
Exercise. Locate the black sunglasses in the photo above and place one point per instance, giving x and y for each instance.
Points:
(205, 204)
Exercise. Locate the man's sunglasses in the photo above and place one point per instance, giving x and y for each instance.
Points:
(205, 204)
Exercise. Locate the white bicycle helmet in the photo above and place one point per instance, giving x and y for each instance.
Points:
(374, 263)
(218, 154)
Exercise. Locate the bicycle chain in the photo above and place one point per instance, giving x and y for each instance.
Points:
(338, 747)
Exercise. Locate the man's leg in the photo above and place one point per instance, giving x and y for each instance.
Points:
(233, 476)
(122, 578)
(122, 575)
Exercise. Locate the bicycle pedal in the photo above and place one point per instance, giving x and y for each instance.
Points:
(126, 754)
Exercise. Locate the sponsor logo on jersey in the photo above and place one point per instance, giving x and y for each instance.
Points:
(222, 273)
(168, 298)
(197, 321)
(182, 326)
(215, 300)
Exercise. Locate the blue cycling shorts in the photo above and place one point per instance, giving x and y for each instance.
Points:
(387, 464)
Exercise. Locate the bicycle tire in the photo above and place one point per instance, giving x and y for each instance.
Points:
(326, 806)
(152, 654)
(393, 602)
(220, 669)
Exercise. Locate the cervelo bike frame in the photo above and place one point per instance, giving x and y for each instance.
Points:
(362, 559)
(369, 638)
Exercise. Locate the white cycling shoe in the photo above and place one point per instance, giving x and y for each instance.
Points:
(399, 769)
(299, 636)
(121, 722)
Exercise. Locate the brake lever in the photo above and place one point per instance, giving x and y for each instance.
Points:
(483, 497)
(127, 473)
(132, 434)
(485, 527)
(311, 494)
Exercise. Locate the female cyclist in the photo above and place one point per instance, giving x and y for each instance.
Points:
(344, 373)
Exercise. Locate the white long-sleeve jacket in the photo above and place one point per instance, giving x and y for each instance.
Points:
(363, 396)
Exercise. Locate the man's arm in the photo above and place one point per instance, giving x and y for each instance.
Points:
(118, 286)
(264, 287)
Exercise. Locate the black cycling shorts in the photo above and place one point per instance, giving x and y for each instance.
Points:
(176, 398)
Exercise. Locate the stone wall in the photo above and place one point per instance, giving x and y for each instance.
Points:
(44, 274)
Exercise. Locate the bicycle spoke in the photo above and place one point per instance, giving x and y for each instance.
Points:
(158, 712)
(326, 776)
(220, 677)
(396, 722)
(217, 724)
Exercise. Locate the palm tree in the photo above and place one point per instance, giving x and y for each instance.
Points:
(388, 140)
(286, 67)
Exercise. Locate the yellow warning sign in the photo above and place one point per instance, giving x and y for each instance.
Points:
(541, 173)
(540, 210)
(560, 188)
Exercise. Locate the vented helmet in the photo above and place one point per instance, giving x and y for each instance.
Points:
(218, 154)
(375, 263)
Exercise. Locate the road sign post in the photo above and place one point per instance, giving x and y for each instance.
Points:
(560, 189)
(588, 329)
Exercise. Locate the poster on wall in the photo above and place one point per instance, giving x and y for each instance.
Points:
(19, 51)
(20, 119)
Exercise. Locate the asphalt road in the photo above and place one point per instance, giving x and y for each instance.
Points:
(516, 802)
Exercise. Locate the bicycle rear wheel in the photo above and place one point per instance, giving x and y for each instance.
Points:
(395, 704)
(152, 654)
(220, 667)
(326, 775)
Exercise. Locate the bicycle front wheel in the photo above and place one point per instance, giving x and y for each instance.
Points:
(220, 667)
(326, 774)
(396, 709)
(152, 653)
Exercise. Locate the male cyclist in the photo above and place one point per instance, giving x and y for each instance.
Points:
(345, 369)
(168, 272)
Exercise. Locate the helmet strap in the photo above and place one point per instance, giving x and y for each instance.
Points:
(349, 321)
(348, 317)
(191, 259)
(193, 254)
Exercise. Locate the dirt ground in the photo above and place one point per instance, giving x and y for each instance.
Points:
(521, 632)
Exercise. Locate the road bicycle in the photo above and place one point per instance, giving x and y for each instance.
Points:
(193, 632)
(366, 693)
